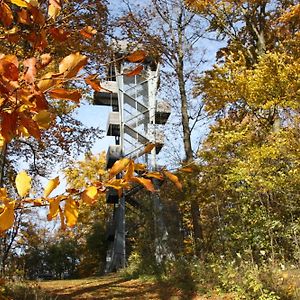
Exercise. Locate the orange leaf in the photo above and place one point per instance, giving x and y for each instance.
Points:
(53, 208)
(174, 179)
(135, 71)
(8, 69)
(137, 56)
(155, 175)
(140, 167)
(7, 216)
(71, 212)
(149, 148)
(59, 34)
(73, 95)
(31, 71)
(72, 64)
(95, 84)
(129, 171)
(147, 183)
(24, 17)
(6, 16)
(8, 125)
(31, 126)
(90, 195)
(119, 166)
(186, 170)
(88, 32)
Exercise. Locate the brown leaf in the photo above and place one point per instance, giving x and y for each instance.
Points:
(174, 179)
(72, 64)
(135, 71)
(147, 183)
(73, 95)
(88, 32)
(30, 64)
(137, 56)
(119, 166)
(93, 82)
(36, 15)
(6, 16)
(59, 34)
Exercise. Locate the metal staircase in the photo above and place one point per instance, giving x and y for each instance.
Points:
(133, 122)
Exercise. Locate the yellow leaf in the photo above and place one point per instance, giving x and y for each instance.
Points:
(174, 179)
(119, 166)
(129, 171)
(147, 183)
(53, 12)
(53, 208)
(140, 167)
(71, 212)
(7, 216)
(90, 195)
(20, 3)
(23, 184)
(37, 202)
(52, 184)
(43, 119)
(47, 81)
(72, 64)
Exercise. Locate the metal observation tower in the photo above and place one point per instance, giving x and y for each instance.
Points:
(137, 119)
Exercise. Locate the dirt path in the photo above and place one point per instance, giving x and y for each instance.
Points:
(113, 287)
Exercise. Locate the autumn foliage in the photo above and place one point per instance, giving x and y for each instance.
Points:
(31, 79)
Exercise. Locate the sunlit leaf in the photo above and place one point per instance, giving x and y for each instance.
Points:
(173, 178)
(149, 148)
(129, 171)
(90, 195)
(8, 69)
(137, 56)
(186, 170)
(54, 9)
(140, 167)
(88, 32)
(20, 3)
(3, 193)
(147, 183)
(7, 216)
(52, 184)
(135, 71)
(46, 58)
(53, 208)
(6, 16)
(43, 119)
(73, 95)
(72, 64)
(8, 125)
(31, 126)
(93, 82)
(47, 81)
(71, 212)
(59, 34)
(23, 184)
(155, 175)
(118, 166)
(30, 74)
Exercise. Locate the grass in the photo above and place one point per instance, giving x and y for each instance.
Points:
(117, 287)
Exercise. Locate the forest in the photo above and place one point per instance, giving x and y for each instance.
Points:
(218, 217)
